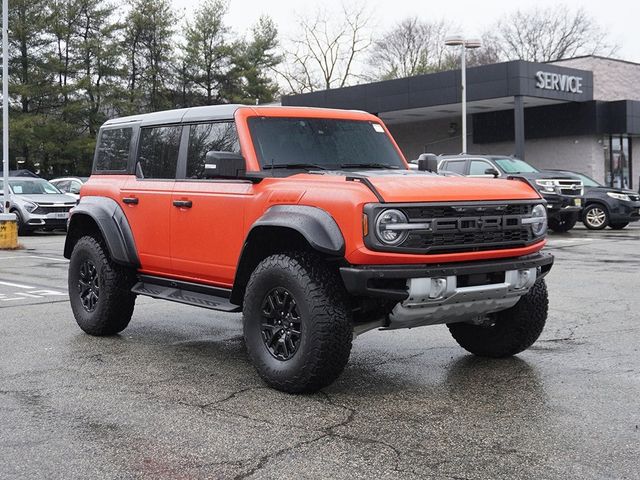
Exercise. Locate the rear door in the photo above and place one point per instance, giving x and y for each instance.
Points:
(455, 166)
(146, 198)
(207, 215)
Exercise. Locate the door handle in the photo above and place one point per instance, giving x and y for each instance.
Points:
(183, 203)
(130, 200)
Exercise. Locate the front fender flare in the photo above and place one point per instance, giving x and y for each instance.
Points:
(318, 228)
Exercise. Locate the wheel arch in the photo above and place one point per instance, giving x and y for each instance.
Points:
(285, 228)
(104, 217)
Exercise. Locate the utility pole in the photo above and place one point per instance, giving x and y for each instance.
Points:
(5, 103)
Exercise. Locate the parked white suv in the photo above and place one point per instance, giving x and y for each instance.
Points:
(38, 204)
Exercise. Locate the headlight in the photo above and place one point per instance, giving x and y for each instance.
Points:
(537, 220)
(547, 185)
(620, 196)
(388, 229)
(29, 206)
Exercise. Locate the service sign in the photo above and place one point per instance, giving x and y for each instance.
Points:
(558, 82)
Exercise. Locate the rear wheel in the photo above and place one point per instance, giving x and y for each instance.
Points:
(99, 290)
(297, 325)
(508, 332)
(619, 226)
(563, 223)
(595, 217)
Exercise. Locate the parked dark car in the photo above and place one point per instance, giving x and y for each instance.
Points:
(607, 206)
(562, 192)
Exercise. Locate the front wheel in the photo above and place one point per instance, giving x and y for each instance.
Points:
(508, 332)
(563, 223)
(618, 226)
(297, 325)
(595, 217)
(99, 290)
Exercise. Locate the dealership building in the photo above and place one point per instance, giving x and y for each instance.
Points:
(580, 114)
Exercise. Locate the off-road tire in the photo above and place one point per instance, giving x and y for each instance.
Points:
(618, 226)
(326, 328)
(600, 210)
(115, 302)
(563, 223)
(513, 330)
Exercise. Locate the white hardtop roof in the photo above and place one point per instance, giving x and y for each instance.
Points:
(193, 114)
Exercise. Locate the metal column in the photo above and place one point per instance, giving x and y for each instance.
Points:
(518, 125)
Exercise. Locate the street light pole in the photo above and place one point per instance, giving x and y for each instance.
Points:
(454, 41)
(5, 103)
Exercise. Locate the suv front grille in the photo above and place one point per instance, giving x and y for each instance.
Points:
(461, 227)
(570, 187)
(43, 210)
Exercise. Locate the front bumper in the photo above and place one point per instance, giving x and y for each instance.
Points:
(624, 212)
(472, 289)
(563, 203)
(51, 220)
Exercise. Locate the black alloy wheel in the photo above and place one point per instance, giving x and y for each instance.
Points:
(89, 285)
(281, 324)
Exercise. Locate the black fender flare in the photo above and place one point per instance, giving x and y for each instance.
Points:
(114, 227)
(317, 227)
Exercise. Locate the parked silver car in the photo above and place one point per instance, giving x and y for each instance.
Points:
(38, 204)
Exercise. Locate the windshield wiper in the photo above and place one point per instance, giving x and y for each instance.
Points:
(368, 165)
(307, 166)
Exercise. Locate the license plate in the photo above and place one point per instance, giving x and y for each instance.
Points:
(59, 216)
(577, 202)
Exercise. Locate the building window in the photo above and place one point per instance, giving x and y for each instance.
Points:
(618, 169)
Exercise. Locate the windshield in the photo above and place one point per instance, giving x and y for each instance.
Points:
(515, 165)
(587, 181)
(31, 187)
(322, 143)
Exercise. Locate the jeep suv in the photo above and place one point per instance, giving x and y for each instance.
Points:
(310, 222)
(563, 192)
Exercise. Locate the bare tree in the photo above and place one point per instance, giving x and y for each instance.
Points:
(325, 51)
(543, 35)
(412, 47)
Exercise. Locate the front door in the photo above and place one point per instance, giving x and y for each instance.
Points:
(207, 216)
(146, 198)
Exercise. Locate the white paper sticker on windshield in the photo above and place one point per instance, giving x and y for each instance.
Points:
(378, 128)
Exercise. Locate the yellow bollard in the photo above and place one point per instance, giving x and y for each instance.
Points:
(8, 231)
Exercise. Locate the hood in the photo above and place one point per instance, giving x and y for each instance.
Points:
(411, 186)
(44, 198)
(604, 189)
(545, 175)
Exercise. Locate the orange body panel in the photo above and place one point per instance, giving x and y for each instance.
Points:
(204, 243)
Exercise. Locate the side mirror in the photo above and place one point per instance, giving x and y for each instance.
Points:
(74, 190)
(492, 171)
(224, 164)
(428, 162)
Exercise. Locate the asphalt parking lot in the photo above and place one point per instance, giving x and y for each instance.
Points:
(174, 396)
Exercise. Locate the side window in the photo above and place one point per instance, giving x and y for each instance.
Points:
(63, 186)
(75, 187)
(113, 150)
(478, 167)
(158, 153)
(456, 166)
(204, 137)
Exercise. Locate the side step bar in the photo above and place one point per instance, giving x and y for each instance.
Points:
(185, 292)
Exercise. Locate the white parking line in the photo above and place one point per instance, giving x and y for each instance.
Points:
(17, 285)
(34, 256)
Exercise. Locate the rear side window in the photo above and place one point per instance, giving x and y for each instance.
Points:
(158, 154)
(455, 166)
(205, 137)
(112, 154)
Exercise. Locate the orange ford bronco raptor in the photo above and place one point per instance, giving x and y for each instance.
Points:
(310, 222)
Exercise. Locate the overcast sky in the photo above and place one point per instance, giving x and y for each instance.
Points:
(620, 17)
